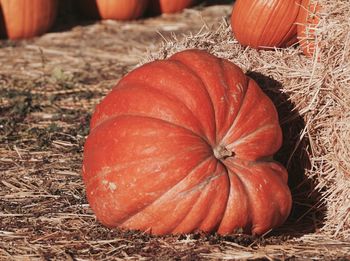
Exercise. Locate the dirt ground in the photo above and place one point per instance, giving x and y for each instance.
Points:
(49, 86)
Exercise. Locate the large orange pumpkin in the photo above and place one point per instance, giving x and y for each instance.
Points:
(28, 18)
(185, 145)
(306, 23)
(113, 9)
(170, 6)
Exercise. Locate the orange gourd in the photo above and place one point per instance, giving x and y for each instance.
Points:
(186, 144)
(307, 21)
(264, 24)
(28, 18)
(170, 6)
(113, 9)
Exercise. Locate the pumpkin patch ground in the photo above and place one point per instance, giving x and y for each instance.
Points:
(50, 85)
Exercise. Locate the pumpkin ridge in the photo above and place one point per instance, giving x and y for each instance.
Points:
(227, 197)
(203, 136)
(262, 33)
(249, 223)
(103, 173)
(284, 39)
(161, 224)
(205, 88)
(238, 112)
(221, 65)
(153, 118)
(139, 84)
(122, 222)
(257, 110)
(227, 73)
(243, 138)
(199, 186)
(257, 24)
(229, 173)
(245, 23)
(192, 87)
(206, 181)
(278, 27)
(278, 217)
(206, 91)
(225, 110)
(267, 27)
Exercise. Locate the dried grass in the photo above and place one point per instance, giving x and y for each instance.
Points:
(50, 85)
(318, 90)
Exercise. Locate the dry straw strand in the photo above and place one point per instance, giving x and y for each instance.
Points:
(50, 85)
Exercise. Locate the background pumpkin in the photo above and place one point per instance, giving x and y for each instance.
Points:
(28, 18)
(306, 23)
(260, 23)
(185, 144)
(170, 6)
(113, 9)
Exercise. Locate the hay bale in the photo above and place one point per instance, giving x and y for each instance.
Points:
(50, 85)
(313, 99)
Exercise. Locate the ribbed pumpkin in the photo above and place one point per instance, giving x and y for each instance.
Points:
(28, 18)
(113, 9)
(170, 6)
(186, 144)
(307, 21)
(265, 23)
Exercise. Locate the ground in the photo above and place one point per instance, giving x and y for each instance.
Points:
(49, 86)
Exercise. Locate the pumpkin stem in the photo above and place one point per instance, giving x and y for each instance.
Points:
(220, 152)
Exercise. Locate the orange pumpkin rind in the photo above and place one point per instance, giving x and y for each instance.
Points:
(265, 24)
(113, 9)
(25, 19)
(184, 145)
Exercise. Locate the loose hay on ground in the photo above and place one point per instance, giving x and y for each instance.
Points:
(49, 86)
